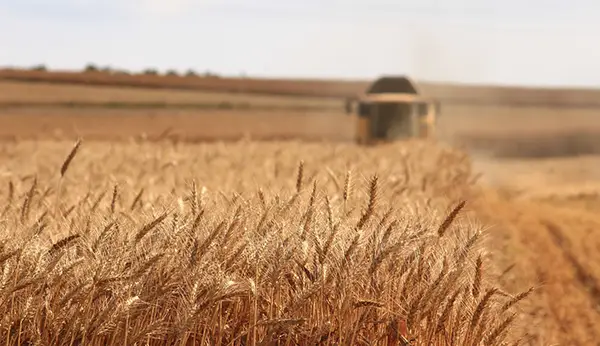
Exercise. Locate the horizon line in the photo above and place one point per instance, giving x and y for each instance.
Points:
(207, 73)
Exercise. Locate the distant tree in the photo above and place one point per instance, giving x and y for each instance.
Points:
(150, 72)
(91, 68)
(120, 72)
(191, 73)
(40, 67)
(172, 73)
(209, 74)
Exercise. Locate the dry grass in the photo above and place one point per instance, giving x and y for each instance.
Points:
(244, 243)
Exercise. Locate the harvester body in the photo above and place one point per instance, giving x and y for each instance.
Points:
(385, 115)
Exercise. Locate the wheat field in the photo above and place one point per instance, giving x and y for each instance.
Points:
(245, 243)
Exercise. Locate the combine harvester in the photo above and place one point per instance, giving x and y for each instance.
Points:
(393, 109)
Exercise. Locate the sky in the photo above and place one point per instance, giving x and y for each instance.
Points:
(534, 42)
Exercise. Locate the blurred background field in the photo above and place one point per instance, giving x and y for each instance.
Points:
(506, 124)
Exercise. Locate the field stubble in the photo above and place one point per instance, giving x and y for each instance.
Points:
(245, 243)
(40, 94)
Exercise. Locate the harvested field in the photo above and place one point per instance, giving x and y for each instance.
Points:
(526, 132)
(245, 243)
(23, 94)
(497, 131)
(562, 143)
(545, 221)
(178, 124)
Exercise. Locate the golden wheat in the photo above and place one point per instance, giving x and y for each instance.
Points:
(246, 254)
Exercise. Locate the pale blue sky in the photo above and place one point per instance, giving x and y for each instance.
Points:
(531, 42)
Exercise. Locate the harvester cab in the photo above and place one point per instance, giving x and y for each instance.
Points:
(392, 110)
